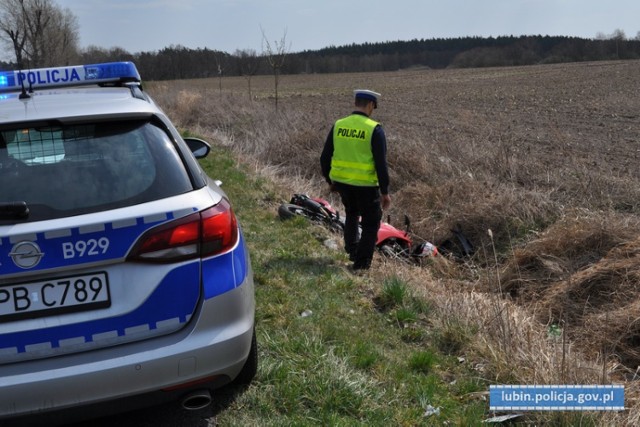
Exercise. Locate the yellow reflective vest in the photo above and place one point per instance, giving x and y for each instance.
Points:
(352, 162)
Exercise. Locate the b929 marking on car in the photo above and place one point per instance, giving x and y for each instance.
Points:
(82, 248)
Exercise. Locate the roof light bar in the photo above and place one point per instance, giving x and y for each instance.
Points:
(78, 75)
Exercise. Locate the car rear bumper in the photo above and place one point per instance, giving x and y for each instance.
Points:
(213, 347)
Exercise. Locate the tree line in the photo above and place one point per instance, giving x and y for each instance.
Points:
(40, 34)
(178, 62)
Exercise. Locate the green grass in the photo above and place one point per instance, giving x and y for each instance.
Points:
(354, 358)
(342, 350)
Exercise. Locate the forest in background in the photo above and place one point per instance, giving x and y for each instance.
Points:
(179, 62)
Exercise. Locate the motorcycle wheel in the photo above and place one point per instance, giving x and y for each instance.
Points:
(336, 226)
(387, 250)
(393, 249)
(289, 210)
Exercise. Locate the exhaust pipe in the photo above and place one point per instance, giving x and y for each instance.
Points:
(196, 400)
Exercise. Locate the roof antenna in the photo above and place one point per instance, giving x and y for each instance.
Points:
(23, 94)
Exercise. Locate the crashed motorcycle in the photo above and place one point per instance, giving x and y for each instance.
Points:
(391, 242)
(316, 209)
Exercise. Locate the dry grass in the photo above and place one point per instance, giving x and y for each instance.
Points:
(545, 156)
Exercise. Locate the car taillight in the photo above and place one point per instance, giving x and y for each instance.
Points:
(210, 232)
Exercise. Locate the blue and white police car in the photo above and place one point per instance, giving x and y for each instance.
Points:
(124, 275)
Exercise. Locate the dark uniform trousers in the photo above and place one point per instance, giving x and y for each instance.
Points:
(362, 208)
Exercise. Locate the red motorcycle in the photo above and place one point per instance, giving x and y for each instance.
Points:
(391, 241)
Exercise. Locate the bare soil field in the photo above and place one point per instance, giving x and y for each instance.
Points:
(546, 157)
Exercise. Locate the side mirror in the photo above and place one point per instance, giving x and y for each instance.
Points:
(198, 147)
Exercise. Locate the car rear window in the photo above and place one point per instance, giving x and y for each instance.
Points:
(62, 171)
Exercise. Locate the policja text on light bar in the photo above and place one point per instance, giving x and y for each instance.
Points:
(78, 75)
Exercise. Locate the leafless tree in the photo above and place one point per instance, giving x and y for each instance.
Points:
(248, 64)
(221, 64)
(39, 32)
(61, 39)
(619, 38)
(275, 55)
(12, 28)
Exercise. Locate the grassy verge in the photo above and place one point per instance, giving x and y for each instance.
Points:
(343, 350)
(336, 349)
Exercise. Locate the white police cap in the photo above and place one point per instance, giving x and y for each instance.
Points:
(367, 94)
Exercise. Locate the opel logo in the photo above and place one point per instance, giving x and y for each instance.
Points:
(26, 254)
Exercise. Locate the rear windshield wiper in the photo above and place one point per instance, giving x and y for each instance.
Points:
(14, 210)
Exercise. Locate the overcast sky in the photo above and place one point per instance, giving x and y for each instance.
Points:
(228, 25)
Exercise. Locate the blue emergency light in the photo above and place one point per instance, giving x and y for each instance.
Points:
(78, 75)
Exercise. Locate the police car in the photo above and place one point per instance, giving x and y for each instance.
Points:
(124, 275)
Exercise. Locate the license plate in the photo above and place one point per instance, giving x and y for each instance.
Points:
(54, 296)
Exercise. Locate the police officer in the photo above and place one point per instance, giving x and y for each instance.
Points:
(354, 163)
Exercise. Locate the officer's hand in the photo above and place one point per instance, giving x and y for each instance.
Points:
(385, 202)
